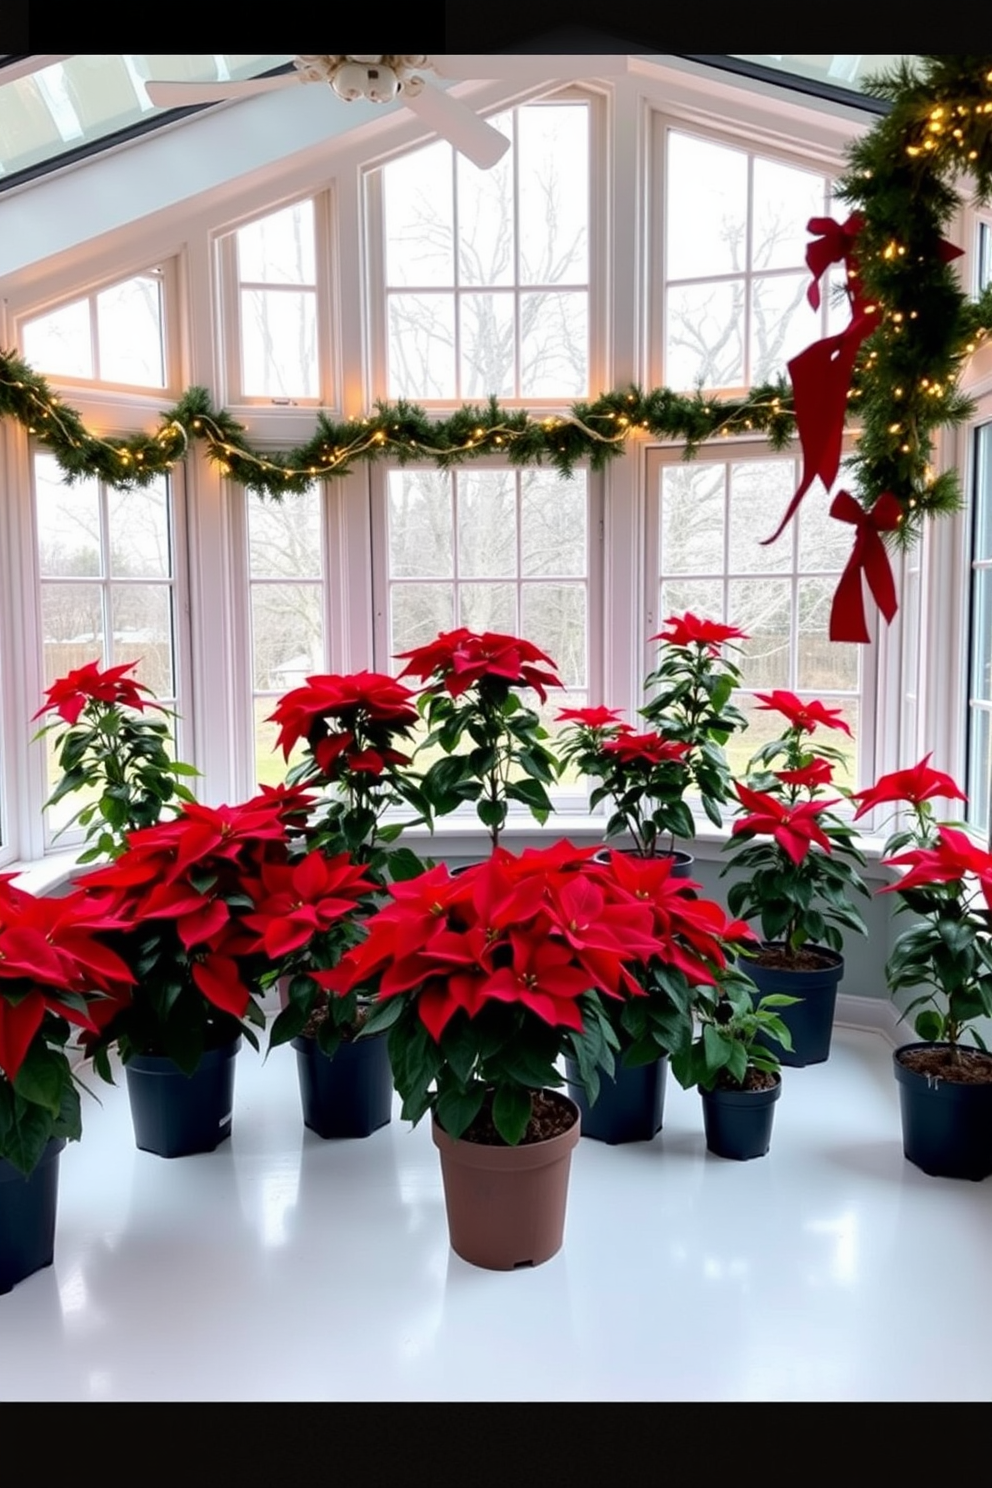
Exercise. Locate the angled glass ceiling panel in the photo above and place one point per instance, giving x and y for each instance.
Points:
(835, 70)
(52, 112)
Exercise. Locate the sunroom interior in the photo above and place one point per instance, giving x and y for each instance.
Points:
(295, 255)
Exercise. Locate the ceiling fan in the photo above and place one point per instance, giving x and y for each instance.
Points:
(391, 77)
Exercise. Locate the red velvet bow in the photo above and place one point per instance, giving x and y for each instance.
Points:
(835, 245)
(868, 557)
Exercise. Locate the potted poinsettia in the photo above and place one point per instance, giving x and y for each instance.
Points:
(799, 862)
(109, 747)
(646, 776)
(493, 745)
(735, 1065)
(182, 888)
(485, 980)
(355, 733)
(56, 973)
(697, 938)
(943, 963)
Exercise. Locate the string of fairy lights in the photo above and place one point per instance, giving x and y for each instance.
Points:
(901, 179)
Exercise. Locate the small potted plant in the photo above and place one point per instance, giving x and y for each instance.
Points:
(354, 731)
(733, 1064)
(55, 974)
(697, 939)
(943, 962)
(493, 745)
(485, 980)
(107, 747)
(181, 887)
(799, 863)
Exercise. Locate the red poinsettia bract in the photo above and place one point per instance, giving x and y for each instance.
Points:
(915, 785)
(332, 713)
(794, 828)
(689, 630)
(459, 659)
(951, 861)
(69, 695)
(803, 716)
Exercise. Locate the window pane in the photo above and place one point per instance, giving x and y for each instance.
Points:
(979, 769)
(487, 525)
(554, 618)
(784, 201)
(762, 608)
(284, 537)
(824, 543)
(420, 525)
(488, 607)
(421, 346)
(488, 342)
(60, 342)
(419, 612)
(287, 634)
(279, 249)
(141, 619)
(981, 636)
(130, 334)
(709, 239)
(139, 533)
(704, 340)
(782, 323)
(554, 194)
(554, 353)
(72, 627)
(824, 665)
(68, 519)
(704, 597)
(691, 526)
(278, 343)
(419, 218)
(760, 491)
(553, 524)
(486, 245)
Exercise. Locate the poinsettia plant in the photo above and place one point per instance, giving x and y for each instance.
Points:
(690, 691)
(732, 1050)
(799, 858)
(486, 979)
(644, 777)
(699, 945)
(56, 973)
(493, 745)
(110, 748)
(351, 728)
(182, 887)
(945, 883)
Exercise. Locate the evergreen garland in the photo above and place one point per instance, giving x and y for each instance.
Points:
(900, 178)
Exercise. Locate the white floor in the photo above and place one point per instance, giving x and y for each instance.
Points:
(282, 1267)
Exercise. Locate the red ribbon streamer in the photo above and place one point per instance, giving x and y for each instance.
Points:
(868, 557)
(835, 245)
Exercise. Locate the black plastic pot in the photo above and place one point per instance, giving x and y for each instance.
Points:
(28, 1207)
(738, 1123)
(682, 861)
(629, 1107)
(946, 1127)
(175, 1114)
(811, 1021)
(350, 1093)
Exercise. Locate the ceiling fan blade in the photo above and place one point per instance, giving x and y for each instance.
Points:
(531, 67)
(182, 95)
(456, 122)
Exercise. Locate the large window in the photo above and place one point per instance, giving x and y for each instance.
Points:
(270, 278)
(705, 554)
(114, 335)
(487, 272)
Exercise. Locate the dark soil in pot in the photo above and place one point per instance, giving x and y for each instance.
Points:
(550, 1116)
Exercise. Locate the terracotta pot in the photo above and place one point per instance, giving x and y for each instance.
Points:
(506, 1205)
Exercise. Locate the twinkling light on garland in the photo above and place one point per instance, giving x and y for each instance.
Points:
(901, 178)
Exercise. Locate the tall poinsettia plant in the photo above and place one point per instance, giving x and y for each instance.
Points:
(945, 884)
(56, 973)
(690, 691)
(494, 749)
(799, 859)
(354, 730)
(108, 747)
(486, 979)
(644, 777)
(182, 887)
